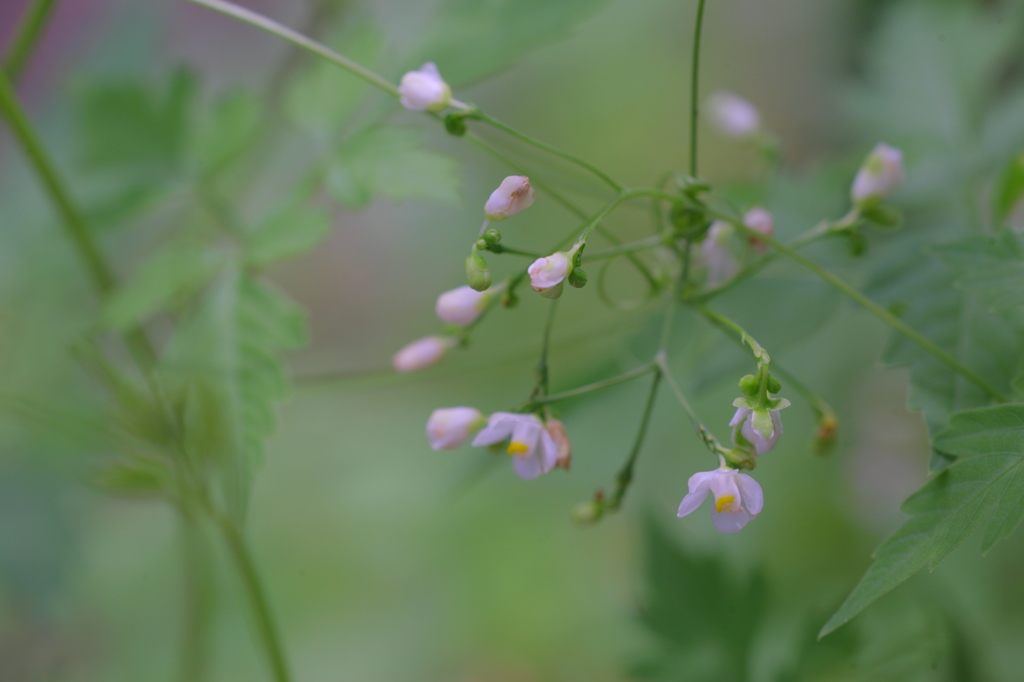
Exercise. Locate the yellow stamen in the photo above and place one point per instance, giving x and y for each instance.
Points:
(724, 502)
(516, 448)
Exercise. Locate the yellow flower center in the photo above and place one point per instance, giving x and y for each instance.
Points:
(724, 502)
(515, 448)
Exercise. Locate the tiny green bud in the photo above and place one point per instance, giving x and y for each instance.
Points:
(455, 124)
(577, 278)
(477, 273)
(491, 237)
(587, 512)
(750, 385)
(773, 385)
(480, 244)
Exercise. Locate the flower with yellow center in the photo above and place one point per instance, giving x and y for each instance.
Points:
(738, 498)
(532, 448)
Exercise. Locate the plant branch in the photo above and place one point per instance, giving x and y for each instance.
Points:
(694, 86)
(26, 37)
(597, 385)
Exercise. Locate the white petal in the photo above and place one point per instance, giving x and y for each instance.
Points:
(753, 496)
(499, 427)
(729, 522)
(527, 468)
(699, 486)
(741, 414)
(548, 451)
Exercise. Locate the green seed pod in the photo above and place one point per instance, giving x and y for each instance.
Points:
(477, 273)
(577, 278)
(750, 385)
(455, 124)
(773, 385)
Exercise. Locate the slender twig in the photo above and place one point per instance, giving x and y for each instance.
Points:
(542, 364)
(626, 248)
(198, 602)
(597, 385)
(257, 599)
(29, 31)
(694, 86)
(625, 476)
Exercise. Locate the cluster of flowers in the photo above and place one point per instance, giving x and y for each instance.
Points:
(538, 443)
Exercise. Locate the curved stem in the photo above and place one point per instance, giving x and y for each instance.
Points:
(254, 593)
(876, 310)
(625, 476)
(626, 248)
(29, 31)
(296, 38)
(597, 385)
(542, 364)
(554, 151)
(694, 83)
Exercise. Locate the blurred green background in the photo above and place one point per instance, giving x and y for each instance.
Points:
(386, 561)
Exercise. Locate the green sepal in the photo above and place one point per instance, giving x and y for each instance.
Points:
(884, 216)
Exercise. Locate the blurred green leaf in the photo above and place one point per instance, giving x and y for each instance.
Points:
(990, 265)
(289, 233)
(695, 604)
(229, 129)
(175, 272)
(984, 486)
(1010, 190)
(225, 360)
(321, 97)
(391, 162)
(470, 39)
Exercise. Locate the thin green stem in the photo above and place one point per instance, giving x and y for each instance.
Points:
(694, 86)
(73, 219)
(597, 385)
(254, 593)
(760, 354)
(542, 364)
(199, 595)
(876, 310)
(626, 248)
(501, 248)
(554, 151)
(29, 31)
(270, 26)
(625, 476)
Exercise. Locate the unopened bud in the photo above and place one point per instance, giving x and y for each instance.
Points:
(422, 353)
(463, 305)
(732, 115)
(512, 196)
(773, 385)
(577, 278)
(477, 273)
(548, 274)
(587, 512)
(424, 90)
(750, 384)
(759, 220)
(880, 175)
(491, 237)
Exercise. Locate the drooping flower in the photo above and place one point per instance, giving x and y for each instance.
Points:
(759, 426)
(533, 450)
(732, 115)
(718, 259)
(738, 498)
(880, 175)
(422, 353)
(463, 305)
(424, 90)
(512, 196)
(547, 274)
(759, 220)
(450, 427)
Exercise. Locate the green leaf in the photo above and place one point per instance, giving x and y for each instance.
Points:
(289, 233)
(1010, 190)
(391, 162)
(127, 128)
(320, 98)
(230, 127)
(990, 265)
(225, 366)
(985, 486)
(470, 39)
(170, 274)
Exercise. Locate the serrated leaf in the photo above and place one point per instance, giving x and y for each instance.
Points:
(289, 233)
(393, 163)
(990, 265)
(984, 486)
(126, 127)
(470, 39)
(225, 363)
(175, 272)
(321, 97)
(229, 129)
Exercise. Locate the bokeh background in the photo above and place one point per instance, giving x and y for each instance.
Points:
(386, 561)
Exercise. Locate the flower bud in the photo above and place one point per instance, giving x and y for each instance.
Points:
(424, 90)
(732, 115)
(477, 273)
(759, 220)
(548, 273)
(512, 196)
(556, 430)
(718, 259)
(422, 353)
(461, 306)
(491, 237)
(450, 427)
(880, 175)
(577, 278)
(587, 512)
(750, 385)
